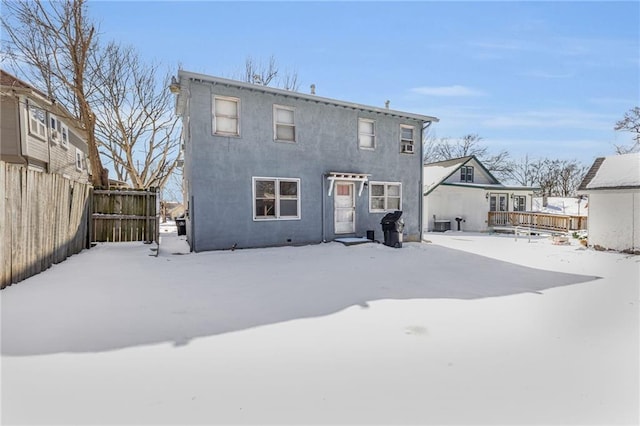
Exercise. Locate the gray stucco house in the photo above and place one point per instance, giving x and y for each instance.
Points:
(269, 167)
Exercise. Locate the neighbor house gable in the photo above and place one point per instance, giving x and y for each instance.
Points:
(450, 172)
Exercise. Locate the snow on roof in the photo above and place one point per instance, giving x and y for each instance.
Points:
(614, 172)
(433, 175)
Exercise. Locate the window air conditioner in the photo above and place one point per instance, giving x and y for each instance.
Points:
(54, 135)
(407, 148)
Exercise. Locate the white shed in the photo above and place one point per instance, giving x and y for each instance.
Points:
(613, 187)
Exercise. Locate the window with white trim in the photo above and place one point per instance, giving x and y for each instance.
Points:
(276, 198)
(79, 160)
(226, 116)
(407, 139)
(37, 121)
(466, 174)
(385, 196)
(59, 131)
(519, 203)
(284, 127)
(366, 133)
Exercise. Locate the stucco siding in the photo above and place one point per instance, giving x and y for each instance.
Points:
(614, 219)
(220, 169)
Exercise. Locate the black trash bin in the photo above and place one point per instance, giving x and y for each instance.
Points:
(392, 227)
(181, 223)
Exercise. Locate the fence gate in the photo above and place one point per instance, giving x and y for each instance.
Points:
(125, 215)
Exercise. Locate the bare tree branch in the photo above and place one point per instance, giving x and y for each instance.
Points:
(630, 123)
(56, 41)
(137, 129)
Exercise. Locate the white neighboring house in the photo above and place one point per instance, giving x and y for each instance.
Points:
(613, 186)
(464, 188)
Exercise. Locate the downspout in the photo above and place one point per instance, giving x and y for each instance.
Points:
(425, 126)
(48, 142)
(322, 204)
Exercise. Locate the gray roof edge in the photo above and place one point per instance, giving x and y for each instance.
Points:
(299, 95)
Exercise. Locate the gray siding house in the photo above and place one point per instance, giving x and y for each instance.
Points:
(269, 167)
(39, 133)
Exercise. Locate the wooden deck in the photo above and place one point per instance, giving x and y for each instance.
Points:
(536, 221)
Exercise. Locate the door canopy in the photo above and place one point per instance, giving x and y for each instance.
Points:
(347, 177)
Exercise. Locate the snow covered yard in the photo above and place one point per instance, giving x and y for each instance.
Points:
(466, 329)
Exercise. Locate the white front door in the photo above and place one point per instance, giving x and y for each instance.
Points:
(344, 208)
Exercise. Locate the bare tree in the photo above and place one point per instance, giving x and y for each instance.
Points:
(446, 149)
(57, 40)
(560, 177)
(138, 132)
(258, 73)
(525, 172)
(570, 175)
(630, 123)
(548, 176)
(268, 74)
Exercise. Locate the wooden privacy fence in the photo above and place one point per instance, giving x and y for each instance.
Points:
(125, 215)
(43, 220)
(549, 222)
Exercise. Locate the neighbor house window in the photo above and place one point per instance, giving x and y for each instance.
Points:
(226, 116)
(37, 121)
(284, 127)
(519, 203)
(59, 132)
(466, 174)
(276, 198)
(385, 196)
(407, 139)
(79, 160)
(498, 203)
(366, 134)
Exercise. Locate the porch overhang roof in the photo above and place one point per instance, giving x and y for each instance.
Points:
(362, 178)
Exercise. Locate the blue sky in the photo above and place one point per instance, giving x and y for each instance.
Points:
(547, 79)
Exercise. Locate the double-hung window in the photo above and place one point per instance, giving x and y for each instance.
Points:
(407, 139)
(37, 121)
(276, 198)
(226, 116)
(466, 174)
(79, 160)
(366, 134)
(385, 196)
(284, 127)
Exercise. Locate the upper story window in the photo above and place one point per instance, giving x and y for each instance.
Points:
(226, 116)
(276, 198)
(466, 174)
(407, 139)
(37, 121)
(284, 127)
(59, 132)
(366, 134)
(385, 196)
(79, 160)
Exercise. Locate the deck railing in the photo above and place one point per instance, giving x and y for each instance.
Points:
(549, 222)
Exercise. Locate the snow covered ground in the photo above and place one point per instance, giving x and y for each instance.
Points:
(562, 205)
(463, 329)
